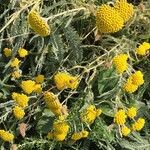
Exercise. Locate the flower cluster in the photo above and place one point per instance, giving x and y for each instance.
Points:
(143, 48)
(30, 86)
(7, 52)
(38, 24)
(39, 78)
(22, 52)
(64, 80)
(60, 130)
(6, 136)
(120, 119)
(53, 103)
(125, 9)
(133, 82)
(111, 19)
(89, 114)
(20, 99)
(18, 112)
(79, 135)
(120, 62)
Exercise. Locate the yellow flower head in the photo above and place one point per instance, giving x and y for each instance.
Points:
(130, 87)
(60, 130)
(89, 114)
(38, 24)
(138, 125)
(38, 88)
(137, 78)
(7, 52)
(15, 62)
(16, 74)
(59, 137)
(21, 99)
(125, 9)
(131, 113)
(6, 136)
(72, 82)
(39, 78)
(125, 130)
(64, 80)
(108, 20)
(120, 62)
(79, 135)
(61, 127)
(120, 117)
(28, 86)
(22, 52)
(18, 112)
(53, 103)
(143, 48)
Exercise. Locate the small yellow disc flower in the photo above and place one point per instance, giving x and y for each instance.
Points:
(89, 114)
(137, 78)
(7, 52)
(79, 135)
(120, 62)
(131, 113)
(125, 9)
(21, 99)
(64, 80)
(53, 103)
(60, 130)
(38, 88)
(60, 127)
(138, 125)
(130, 87)
(15, 62)
(38, 24)
(16, 74)
(125, 131)
(22, 52)
(18, 112)
(28, 86)
(6, 136)
(39, 78)
(108, 20)
(143, 48)
(120, 117)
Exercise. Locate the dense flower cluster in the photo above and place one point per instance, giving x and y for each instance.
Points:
(53, 103)
(15, 62)
(120, 62)
(22, 52)
(108, 19)
(20, 99)
(138, 125)
(131, 113)
(79, 135)
(6, 136)
(18, 112)
(89, 114)
(7, 52)
(28, 86)
(38, 24)
(64, 80)
(60, 130)
(125, 131)
(143, 48)
(111, 19)
(125, 9)
(39, 78)
(120, 119)
(16, 74)
(133, 82)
